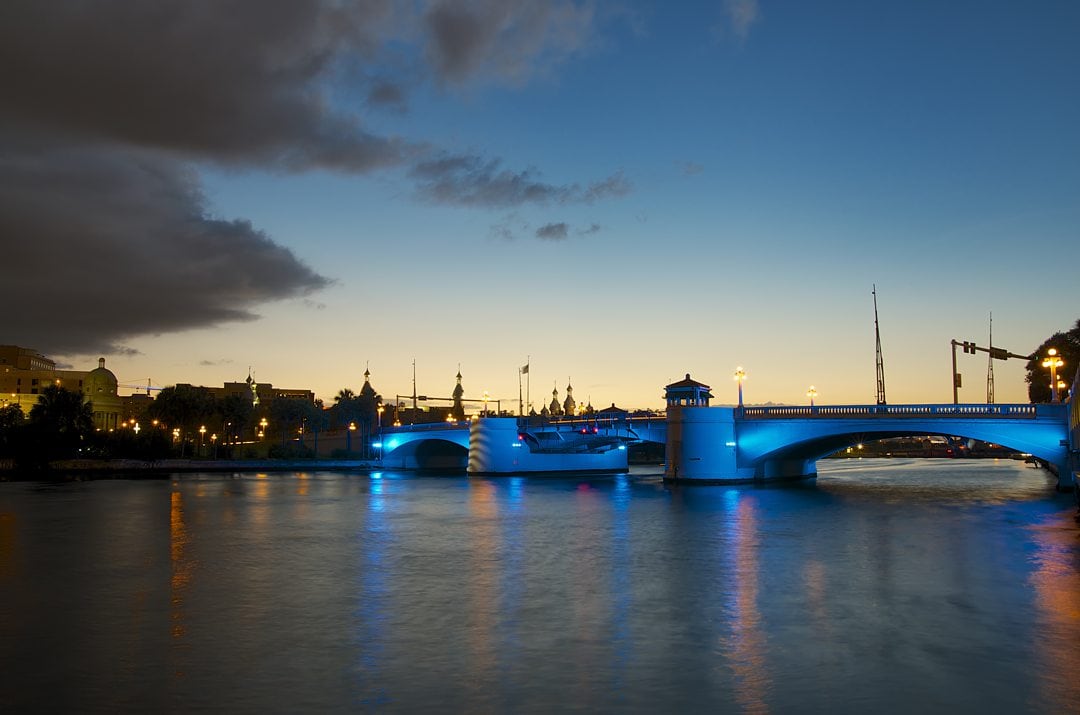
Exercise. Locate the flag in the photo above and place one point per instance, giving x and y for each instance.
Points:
(525, 370)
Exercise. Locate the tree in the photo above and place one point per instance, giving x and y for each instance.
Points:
(61, 420)
(11, 418)
(1038, 377)
(184, 407)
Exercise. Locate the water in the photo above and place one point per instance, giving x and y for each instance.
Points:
(886, 586)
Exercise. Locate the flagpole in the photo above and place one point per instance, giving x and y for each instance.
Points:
(528, 398)
(521, 409)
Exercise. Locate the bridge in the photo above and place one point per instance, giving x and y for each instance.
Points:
(722, 444)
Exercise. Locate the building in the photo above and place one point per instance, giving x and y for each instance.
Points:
(25, 373)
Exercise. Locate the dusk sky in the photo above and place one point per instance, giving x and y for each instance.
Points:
(623, 192)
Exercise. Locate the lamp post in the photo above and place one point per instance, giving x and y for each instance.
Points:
(1053, 361)
(811, 393)
(486, 398)
(262, 427)
(202, 438)
(348, 437)
(740, 377)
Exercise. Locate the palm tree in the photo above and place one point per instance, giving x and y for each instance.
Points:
(63, 420)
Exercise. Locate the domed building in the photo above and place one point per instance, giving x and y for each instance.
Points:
(99, 389)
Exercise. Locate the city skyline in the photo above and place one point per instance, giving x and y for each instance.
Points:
(619, 194)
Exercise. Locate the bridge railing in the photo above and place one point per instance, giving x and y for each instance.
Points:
(427, 426)
(598, 420)
(872, 411)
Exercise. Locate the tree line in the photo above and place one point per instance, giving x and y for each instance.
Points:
(183, 421)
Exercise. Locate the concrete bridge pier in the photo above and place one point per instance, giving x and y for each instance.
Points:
(701, 446)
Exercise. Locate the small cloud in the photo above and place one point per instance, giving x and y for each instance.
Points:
(690, 168)
(739, 16)
(641, 217)
(388, 95)
(312, 304)
(553, 232)
(473, 181)
(212, 363)
(593, 228)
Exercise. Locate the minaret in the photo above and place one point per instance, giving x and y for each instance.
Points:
(458, 410)
(569, 406)
(555, 408)
(251, 385)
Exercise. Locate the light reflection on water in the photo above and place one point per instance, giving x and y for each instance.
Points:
(886, 586)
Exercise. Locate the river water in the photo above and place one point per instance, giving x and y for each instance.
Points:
(883, 586)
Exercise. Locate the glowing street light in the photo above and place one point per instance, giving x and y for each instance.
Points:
(740, 377)
(486, 398)
(811, 393)
(1053, 361)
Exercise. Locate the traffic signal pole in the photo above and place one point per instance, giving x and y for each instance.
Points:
(972, 348)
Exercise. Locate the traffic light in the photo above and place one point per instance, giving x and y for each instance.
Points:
(969, 347)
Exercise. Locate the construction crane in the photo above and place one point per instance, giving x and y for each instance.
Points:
(148, 387)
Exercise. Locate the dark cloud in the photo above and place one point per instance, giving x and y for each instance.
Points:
(474, 181)
(508, 39)
(590, 230)
(553, 232)
(117, 243)
(235, 82)
(109, 106)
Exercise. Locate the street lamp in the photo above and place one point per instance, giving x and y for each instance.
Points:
(1053, 361)
(740, 377)
(262, 427)
(486, 398)
(811, 393)
(202, 437)
(348, 436)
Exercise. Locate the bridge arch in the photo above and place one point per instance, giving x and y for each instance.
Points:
(444, 448)
(791, 448)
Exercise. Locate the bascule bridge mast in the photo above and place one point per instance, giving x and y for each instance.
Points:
(880, 363)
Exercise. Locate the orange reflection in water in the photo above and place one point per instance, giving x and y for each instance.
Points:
(182, 564)
(7, 544)
(483, 586)
(1056, 581)
(745, 646)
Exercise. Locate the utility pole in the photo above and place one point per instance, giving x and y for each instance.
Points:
(414, 387)
(880, 363)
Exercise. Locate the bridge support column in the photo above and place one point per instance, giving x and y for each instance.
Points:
(702, 447)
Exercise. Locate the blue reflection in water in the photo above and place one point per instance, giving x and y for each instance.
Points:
(373, 602)
(621, 587)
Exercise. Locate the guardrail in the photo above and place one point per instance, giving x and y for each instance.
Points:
(876, 411)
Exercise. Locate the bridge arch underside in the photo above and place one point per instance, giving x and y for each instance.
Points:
(791, 451)
(428, 453)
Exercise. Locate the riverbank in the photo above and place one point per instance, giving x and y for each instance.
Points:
(159, 469)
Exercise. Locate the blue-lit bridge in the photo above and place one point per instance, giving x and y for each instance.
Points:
(724, 444)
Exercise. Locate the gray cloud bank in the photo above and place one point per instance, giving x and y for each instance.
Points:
(108, 104)
(114, 244)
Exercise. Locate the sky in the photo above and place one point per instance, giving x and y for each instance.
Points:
(614, 193)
